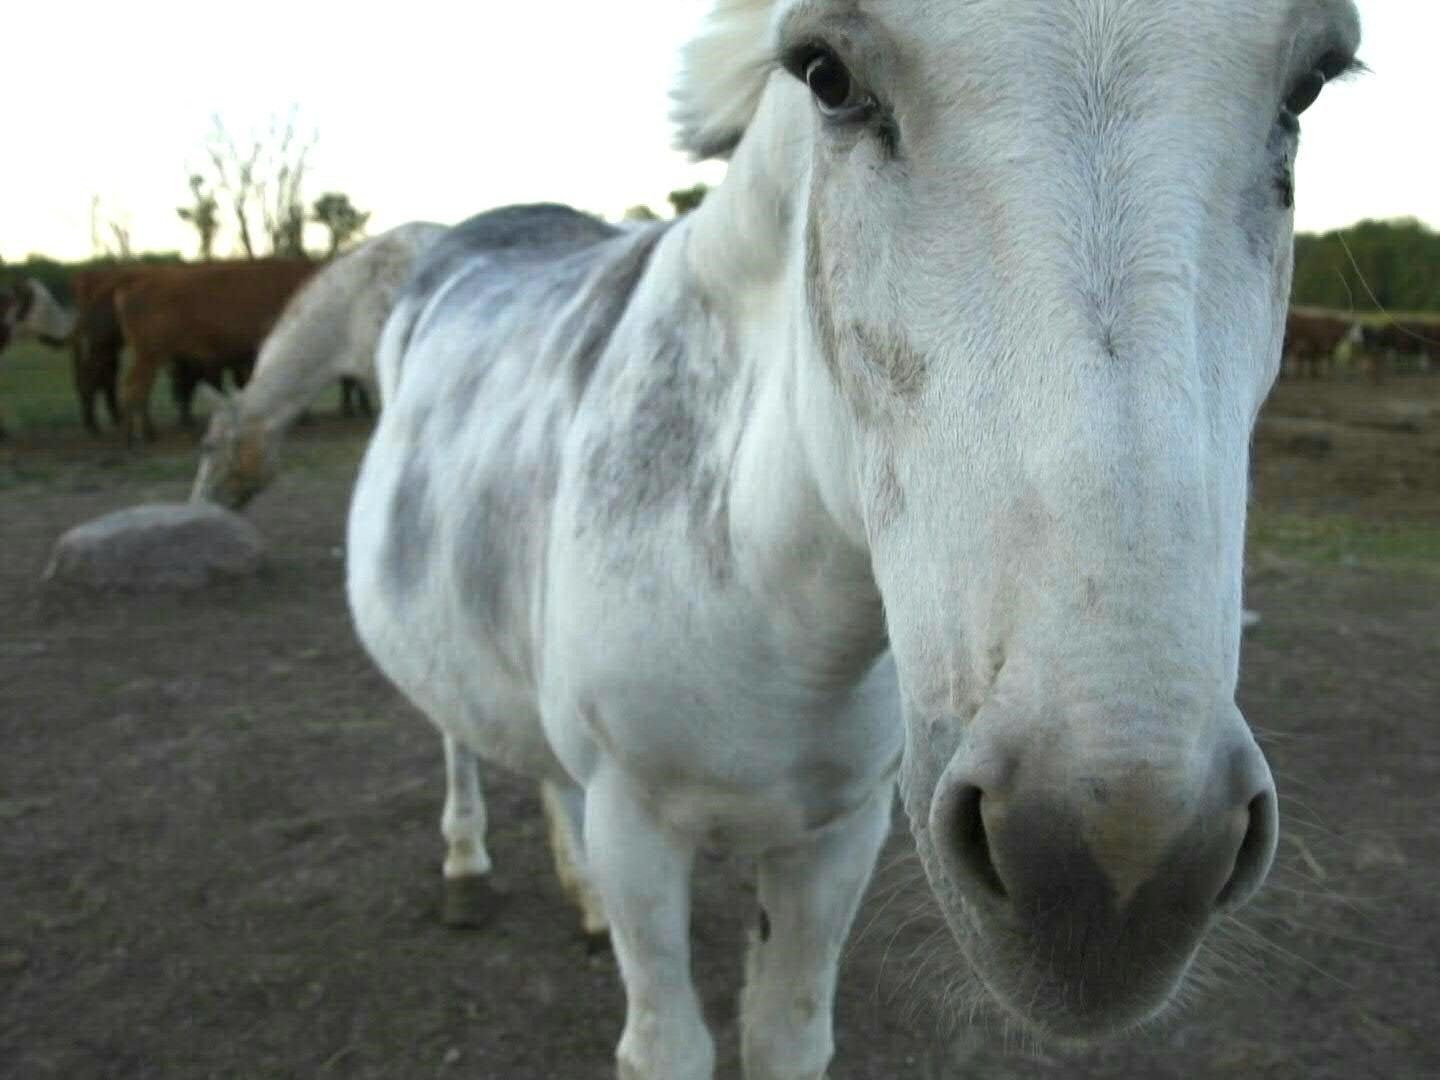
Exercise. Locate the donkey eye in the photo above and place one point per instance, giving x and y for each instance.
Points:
(832, 85)
(1304, 93)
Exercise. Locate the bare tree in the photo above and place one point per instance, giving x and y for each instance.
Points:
(280, 188)
(235, 176)
(203, 214)
(263, 183)
(109, 231)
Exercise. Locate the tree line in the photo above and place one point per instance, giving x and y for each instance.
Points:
(1374, 266)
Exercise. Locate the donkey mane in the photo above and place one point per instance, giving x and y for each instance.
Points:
(722, 75)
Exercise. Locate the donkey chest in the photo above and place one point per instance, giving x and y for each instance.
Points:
(715, 731)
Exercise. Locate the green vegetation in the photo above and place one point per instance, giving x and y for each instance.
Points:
(37, 398)
(37, 392)
(1340, 539)
(1395, 263)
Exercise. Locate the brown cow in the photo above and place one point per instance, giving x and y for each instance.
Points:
(211, 314)
(99, 342)
(1311, 339)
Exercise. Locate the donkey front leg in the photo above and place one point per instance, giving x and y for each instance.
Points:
(809, 895)
(643, 874)
(469, 900)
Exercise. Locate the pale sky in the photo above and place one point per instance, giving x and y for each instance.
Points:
(439, 110)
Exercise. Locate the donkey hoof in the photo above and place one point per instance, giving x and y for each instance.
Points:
(470, 902)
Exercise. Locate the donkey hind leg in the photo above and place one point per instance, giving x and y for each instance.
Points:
(565, 815)
(643, 872)
(809, 895)
(470, 900)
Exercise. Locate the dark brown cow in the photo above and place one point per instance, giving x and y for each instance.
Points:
(1311, 339)
(209, 314)
(98, 342)
(1404, 337)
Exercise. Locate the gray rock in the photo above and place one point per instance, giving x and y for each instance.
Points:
(158, 546)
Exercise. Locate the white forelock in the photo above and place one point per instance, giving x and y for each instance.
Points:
(722, 75)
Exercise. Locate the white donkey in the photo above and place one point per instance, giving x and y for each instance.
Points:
(960, 361)
(327, 332)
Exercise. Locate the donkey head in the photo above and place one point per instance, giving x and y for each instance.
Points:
(1043, 251)
(237, 461)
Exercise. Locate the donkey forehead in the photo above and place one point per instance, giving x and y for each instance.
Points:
(1027, 36)
(1002, 47)
(1080, 18)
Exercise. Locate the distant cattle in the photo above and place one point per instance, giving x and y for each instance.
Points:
(1403, 337)
(1311, 339)
(99, 341)
(214, 315)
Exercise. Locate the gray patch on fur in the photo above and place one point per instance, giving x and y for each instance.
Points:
(592, 324)
(817, 294)
(887, 495)
(512, 235)
(710, 521)
(660, 452)
(502, 538)
(902, 365)
(644, 464)
(1275, 194)
(411, 535)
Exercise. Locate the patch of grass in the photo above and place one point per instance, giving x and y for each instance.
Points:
(37, 392)
(1340, 539)
(36, 389)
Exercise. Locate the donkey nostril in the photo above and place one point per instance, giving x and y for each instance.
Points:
(974, 844)
(1252, 859)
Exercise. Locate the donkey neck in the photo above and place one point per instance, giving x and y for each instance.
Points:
(287, 378)
(794, 501)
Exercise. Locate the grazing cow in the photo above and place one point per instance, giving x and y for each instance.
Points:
(1311, 339)
(328, 331)
(918, 450)
(1403, 337)
(210, 314)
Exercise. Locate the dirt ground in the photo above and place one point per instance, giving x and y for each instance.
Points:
(219, 846)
